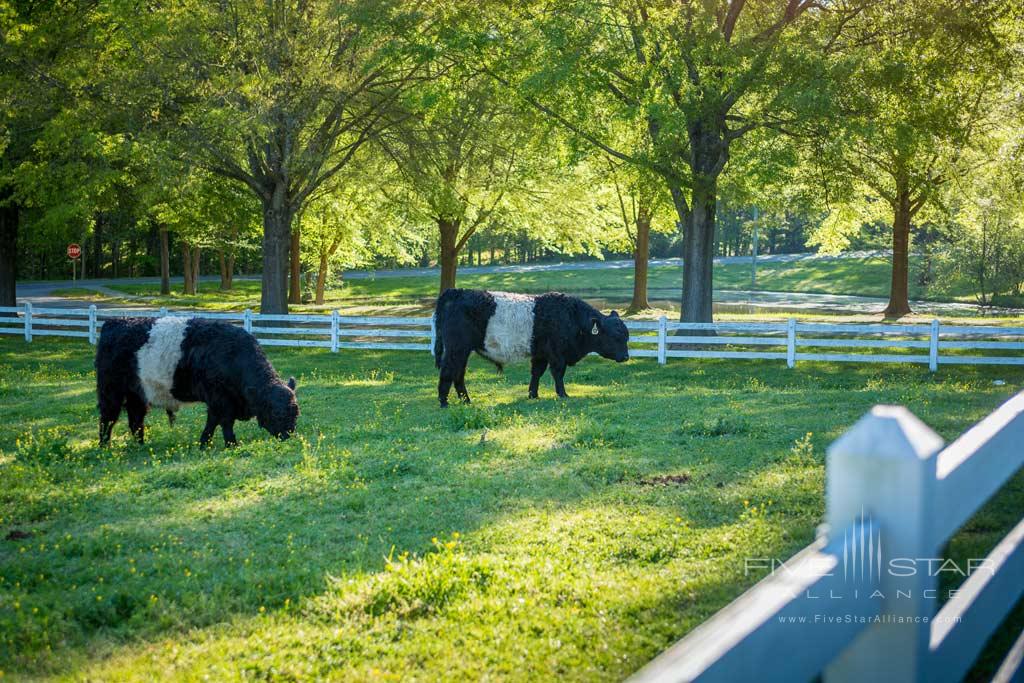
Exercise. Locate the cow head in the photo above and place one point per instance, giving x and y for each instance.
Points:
(283, 413)
(609, 337)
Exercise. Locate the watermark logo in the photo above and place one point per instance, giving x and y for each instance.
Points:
(862, 560)
(862, 551)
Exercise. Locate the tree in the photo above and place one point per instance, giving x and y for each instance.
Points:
(334, 236)
(906, 108)
(275, 95)
(691, 78)
(43, 53)
(988, 244)
(205, 211)
(460, 157)
(639, 199)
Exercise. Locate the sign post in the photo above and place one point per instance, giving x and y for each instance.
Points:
(74, 253)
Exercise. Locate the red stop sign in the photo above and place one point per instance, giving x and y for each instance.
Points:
(74, 251)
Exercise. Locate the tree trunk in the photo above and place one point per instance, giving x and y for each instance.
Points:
(295, 287)
(131, 254)
(9, 217)
(97, 249)
(641, 254)
(321, 279)
(899, 301)
(186, 265)
(195, 270)
(449, 232)
(165, 263)
(277, 232)
(698, 254)
(227, 270)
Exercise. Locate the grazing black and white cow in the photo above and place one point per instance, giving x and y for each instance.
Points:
(165, 362)
(552, 330)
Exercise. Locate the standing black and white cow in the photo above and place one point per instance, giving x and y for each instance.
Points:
(552, 330)
(166, 362)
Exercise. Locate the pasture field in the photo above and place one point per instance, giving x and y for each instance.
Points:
(391, 540)
(860, 276)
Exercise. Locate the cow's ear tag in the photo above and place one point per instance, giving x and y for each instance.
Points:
(595, 330)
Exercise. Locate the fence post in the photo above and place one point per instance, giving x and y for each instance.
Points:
(163, 311)
(883, 469)
(28, 321)
(334, 331)
(92, 324)
(247, 320)
(933, 347)
(791, 343)
(662, 340)
(433, 334)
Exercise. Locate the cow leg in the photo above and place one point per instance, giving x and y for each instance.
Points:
(453, 367)
(227, 427)
(110, 409)
(137, 409)
(558, 373)
(460, 385)
(212, 420)
(537, 368)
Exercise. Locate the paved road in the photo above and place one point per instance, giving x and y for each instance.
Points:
(42, 293)
(602, 265)
(796, 302)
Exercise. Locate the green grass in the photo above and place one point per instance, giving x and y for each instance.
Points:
(865, 277)
(79, 293)
(512, 539)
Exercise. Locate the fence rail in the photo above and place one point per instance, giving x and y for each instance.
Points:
(791, 341)
(861, 603)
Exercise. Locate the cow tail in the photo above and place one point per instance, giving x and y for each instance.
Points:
(438, 347)
(439, 318)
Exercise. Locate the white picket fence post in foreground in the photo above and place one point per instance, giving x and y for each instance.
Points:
(247, 320)
(861, 602)
(884, 468)
(92, 324)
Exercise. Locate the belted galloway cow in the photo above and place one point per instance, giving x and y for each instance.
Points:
(170, 361)
(553, 330)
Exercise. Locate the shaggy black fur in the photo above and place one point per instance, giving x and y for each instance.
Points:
(562, 336)
(221, 365)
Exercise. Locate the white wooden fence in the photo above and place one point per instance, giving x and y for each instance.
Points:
(790, 341)
(861, 603)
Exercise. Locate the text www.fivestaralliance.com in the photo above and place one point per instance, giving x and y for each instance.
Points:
(861, 619)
